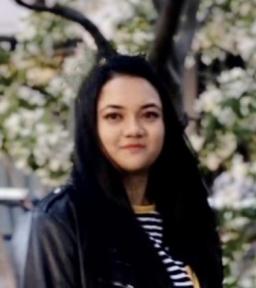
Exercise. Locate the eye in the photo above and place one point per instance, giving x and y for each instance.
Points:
(113, 116)
(151, 115)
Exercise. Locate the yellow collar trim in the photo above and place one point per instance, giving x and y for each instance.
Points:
(144, 208)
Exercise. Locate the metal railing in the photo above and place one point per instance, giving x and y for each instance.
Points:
(18, 194)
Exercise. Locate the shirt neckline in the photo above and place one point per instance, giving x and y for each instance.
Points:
(144, 208)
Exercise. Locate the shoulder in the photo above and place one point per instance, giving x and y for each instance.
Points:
(51, 245)
(57, 207)
(56, 200)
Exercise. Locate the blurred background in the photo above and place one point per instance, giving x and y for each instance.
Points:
(42, 61)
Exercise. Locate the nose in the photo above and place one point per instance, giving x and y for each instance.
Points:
(133, 128)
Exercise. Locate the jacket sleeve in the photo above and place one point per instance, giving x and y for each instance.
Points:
(50, 260)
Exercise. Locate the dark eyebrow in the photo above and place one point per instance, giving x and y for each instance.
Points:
(151, 105)
(112, 106)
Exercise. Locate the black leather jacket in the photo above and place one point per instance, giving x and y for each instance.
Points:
(54, 252)
(55, 256)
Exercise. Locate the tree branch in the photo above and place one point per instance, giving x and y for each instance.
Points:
(175, 30)
(158, 4)
(208, 14)
(163, 48)
(105, 48)
(9, 39)
(186, 31)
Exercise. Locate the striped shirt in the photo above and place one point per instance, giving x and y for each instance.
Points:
(151, 222)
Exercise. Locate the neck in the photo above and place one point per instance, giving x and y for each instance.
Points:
(135, 186)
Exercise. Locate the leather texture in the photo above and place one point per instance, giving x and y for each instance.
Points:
(55, 254)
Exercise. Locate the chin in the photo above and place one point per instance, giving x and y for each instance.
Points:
(134, 169)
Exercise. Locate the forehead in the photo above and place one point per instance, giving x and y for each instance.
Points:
(128, 90)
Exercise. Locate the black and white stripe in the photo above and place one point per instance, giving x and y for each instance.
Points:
(152, 224)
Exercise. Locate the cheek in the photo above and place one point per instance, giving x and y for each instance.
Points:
(107, 136)
(158, 135)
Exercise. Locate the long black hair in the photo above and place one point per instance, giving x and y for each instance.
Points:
(175, 184)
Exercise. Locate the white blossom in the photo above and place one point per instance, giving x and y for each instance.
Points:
(234, 188)
(212, 161)
(50, 3)
(197, 141)
(31, 96)
(4, 105)
(1, 142)
(112, 12)
(28, 33)
(12, 124)
(209, 100)
(245, 104)
(226, 116)
(246, 47)
(39, 75)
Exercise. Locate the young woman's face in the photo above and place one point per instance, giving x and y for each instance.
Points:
(130, 123)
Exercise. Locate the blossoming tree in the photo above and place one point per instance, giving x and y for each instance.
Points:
(225, 135)
(35, 109)
(40, 79)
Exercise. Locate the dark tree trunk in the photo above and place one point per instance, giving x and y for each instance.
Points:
(174, 34)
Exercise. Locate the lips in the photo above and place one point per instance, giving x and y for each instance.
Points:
(130, 146)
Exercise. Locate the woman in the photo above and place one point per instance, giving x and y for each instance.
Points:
(135, 213)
